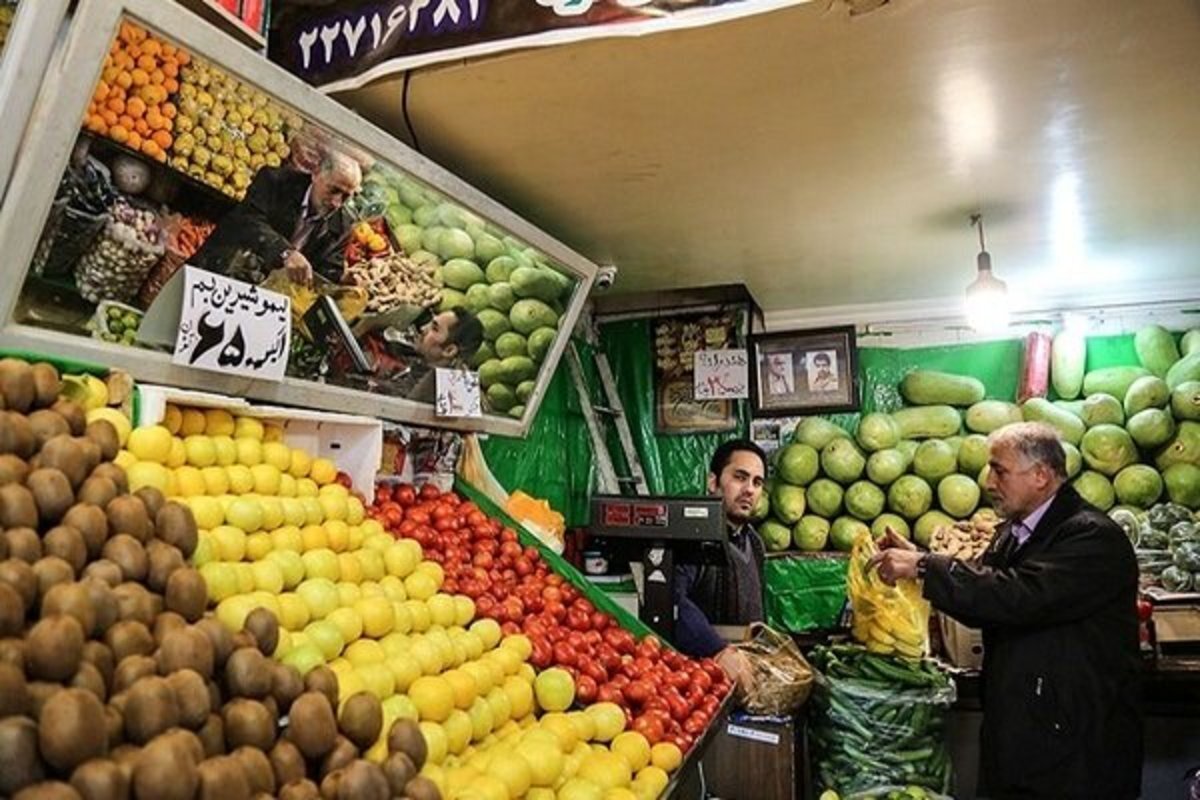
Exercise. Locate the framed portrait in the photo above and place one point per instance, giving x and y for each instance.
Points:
(804, 372)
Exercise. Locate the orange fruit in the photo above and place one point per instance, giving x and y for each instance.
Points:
(168, 110)
(134, 141)
(135, 108)
(119, 133)
(152, 47)
(140, 78)
(170, 68)
(141, 127)
(183, 57)
(162, 139)
(151, 148)
(157, 77)
(116, 105)
(124, 79)
(148, 63)
(95, 122)
(168, 50)
(171, 85)
(109, 117)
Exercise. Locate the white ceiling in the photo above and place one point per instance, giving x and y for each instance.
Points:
(829, 160)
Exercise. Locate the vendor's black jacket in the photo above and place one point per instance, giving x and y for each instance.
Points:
(1061, 664)
(264, 222)
(724, 591)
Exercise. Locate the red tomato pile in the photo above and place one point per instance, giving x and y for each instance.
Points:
(666, 695)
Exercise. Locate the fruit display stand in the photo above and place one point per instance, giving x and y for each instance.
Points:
(29, 29)
(177, 121)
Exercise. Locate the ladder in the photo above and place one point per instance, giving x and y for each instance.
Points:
(610, 482)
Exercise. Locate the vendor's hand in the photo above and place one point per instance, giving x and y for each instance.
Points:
(736, 666)
(893, 541)
(298, 268)
(895, 564)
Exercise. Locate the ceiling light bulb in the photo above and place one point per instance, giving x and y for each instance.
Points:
(987, 299)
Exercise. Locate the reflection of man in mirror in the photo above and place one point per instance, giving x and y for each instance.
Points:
(288, 219)
(781, 378)
(822, 377)
(406, 368)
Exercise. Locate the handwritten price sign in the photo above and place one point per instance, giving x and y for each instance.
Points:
(232, 326)
(721, 374)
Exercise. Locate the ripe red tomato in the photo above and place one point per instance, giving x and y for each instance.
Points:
(430, 492)
(404, 494)
(638, 692)
(577, 620)
(586, 689)
(610, 693)
(595, 670)
(650, 727)
(510, 628)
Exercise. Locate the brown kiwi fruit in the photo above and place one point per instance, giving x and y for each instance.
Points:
(191, 693)
(23, 543)
(361, 719)
(89, 679)
(186, 648)
(105, 436)
(311, 724)
(175, 525)
(18, 508)
(16, 435)
(114, 725)
(137, 603)
(73, 600)
(113, 473)
(3, 548)
(399, 770)
(212, 736)
(54, 648)
(163, 771)
(64, 454)
(221, 778)
(12, 611)
(48, 790)
(287, 762)
(363, 780)
(68, 544)
(323, 680)
(247, 673)
(271, 705)
(14, 692)
(339, 756)
(74, 415)
(128, 638)
(51, 571)
(39, 693)
(150, 709)
(89, 451)
(100, 656)
(286, 685)
(100, 779)
(127, 553)
(257, 768)
(186, 593)
(248, 722)
(164, 623)
(152, 499)
(243, 639)
(105, 571)
(132, 669)
(220, 638)
(263, 626)
(329, 785)
(164, 560)
(12, 651)
(405, 737)
(127, 514)
(13, 469)
(71, 729)
(47, 424)
(104, 604)
(97, 490)
(187, 743)
(20, 575)
(89, 519)
(125, 755)
(52, 494)
(300, 789)
(421, 788)
(17, 384)
(46, 384)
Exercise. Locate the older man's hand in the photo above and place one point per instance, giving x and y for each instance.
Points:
(897, 557)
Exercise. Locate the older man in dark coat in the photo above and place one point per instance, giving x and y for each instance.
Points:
(1055, 595)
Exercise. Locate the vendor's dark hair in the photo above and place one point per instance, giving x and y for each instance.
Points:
(722, 455)
(467, 332)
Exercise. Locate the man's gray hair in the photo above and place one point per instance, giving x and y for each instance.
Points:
(1035, 442)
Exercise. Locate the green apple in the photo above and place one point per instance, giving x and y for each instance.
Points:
(327, 637)
(320, 595)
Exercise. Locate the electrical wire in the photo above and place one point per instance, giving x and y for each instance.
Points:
(412, 131)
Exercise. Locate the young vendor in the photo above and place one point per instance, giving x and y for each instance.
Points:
(729, 593)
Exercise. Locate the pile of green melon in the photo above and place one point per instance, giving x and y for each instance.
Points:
(1131, 436)
(517, 294)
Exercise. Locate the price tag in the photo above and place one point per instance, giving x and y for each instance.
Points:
(458, 393)
(231, 326)
(721, 375)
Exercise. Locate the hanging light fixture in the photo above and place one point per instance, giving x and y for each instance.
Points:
(987, 295)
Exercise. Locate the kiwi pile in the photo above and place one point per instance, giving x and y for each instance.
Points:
(114, 682)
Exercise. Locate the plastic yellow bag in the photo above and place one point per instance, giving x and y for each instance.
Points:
(351, 300)
(887, 619)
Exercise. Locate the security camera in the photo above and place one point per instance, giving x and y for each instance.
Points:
(606, 277)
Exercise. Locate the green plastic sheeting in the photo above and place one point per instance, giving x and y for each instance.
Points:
(805, 593)
(554, 461)
(675, 464)
(1111, 351)
(997, 364)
